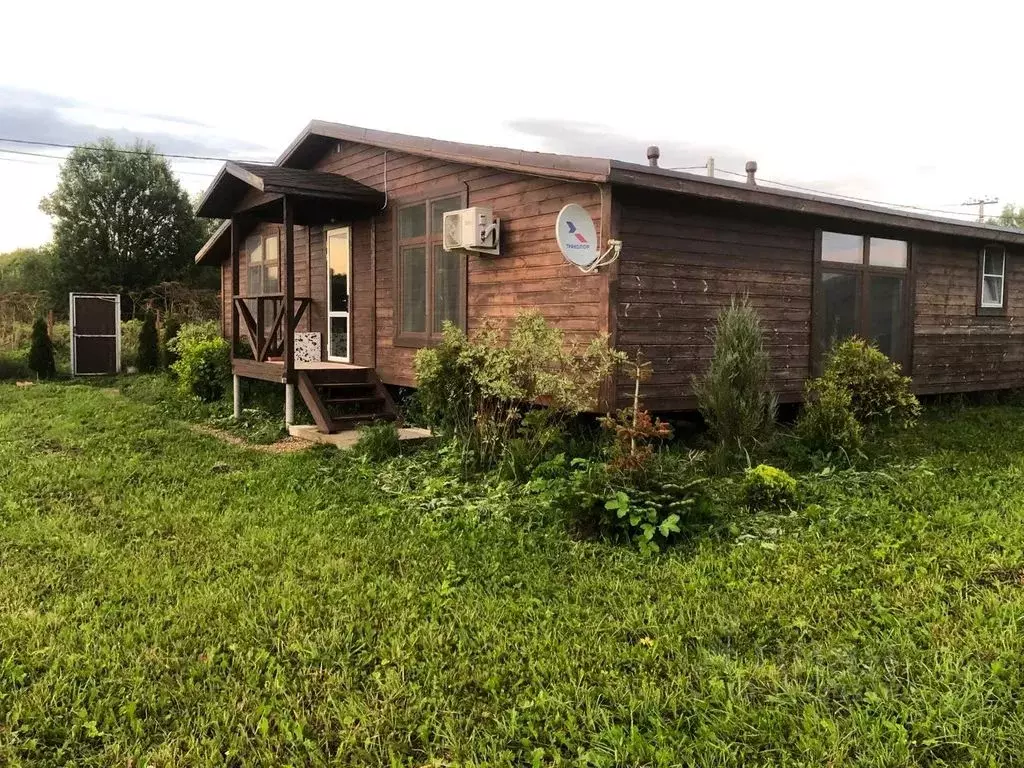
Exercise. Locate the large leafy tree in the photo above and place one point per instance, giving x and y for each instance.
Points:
(122, 220)
(1010, 217)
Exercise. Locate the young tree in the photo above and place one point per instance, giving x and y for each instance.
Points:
(122, 220)
(40, 355)
(149, 345)
(735, 395)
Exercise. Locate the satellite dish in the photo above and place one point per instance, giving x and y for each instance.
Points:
(577, 236)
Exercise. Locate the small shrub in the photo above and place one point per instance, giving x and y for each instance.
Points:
(476, 391)
(203, 368)
(130, 331)
(540, 437)
(40, 355)
(766, 487)
(650, 508)
(14, 364)
(734, 396)
(170, 354)
(879, 393)
(827, 423)
(379, 441)
(60, 337)
(634, 429)
(149, 346)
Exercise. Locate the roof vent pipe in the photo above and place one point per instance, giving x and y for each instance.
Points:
(751, 172)
(653, 153)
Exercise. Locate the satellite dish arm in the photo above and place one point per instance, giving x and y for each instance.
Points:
(606, 258)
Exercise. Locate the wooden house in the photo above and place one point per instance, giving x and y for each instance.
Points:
(332, 264)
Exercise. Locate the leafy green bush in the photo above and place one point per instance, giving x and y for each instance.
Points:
(40, 355)
(650, 508)
(879, 393)
(476, 390)
(149, 346)
(171, 328)
(60, 337)
(203, 368)
(734, 396)
(767, 487)
(379, 441)
(130, 331)
(827, 423)
(14, 364)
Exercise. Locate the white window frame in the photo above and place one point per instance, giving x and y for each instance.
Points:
(985, 273)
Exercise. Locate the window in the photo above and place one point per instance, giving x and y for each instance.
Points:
(991, 288)
(431, 281)
(861, 290)
(264, 258)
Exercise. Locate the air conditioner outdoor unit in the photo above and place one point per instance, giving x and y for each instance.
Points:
(472, 229)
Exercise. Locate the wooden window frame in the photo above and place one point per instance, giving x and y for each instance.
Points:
(428, 241)
(984, 310)
(864, 271)
(263, 236)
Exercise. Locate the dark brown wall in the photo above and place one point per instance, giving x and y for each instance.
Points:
(955, 349)
(683, 260)
(530, 273)
(681, 264)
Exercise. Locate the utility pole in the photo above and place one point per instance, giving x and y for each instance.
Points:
(981, 202)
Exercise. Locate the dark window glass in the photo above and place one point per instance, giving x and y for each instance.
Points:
(338, 337)
(885, 314)
(412, 221)
(841, 291)
(413, 266)
(447, 291)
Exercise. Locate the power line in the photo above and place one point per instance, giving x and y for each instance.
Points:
(61, 158)
(5, 140)
(849, 197)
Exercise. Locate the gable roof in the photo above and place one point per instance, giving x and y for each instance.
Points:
(319, 136)
(236, 179)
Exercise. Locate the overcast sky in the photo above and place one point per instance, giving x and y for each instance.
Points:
(905, 102)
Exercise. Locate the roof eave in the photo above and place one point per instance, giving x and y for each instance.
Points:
(634, 175)
(212, 242)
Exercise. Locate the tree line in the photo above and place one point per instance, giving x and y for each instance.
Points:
(122, 223)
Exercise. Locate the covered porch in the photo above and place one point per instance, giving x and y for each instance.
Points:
(247, 196)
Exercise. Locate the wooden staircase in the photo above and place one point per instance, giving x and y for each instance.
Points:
(342, 398)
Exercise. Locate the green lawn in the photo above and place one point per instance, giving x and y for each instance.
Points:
(166, 599)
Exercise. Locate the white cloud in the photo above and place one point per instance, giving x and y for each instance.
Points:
(909, 102)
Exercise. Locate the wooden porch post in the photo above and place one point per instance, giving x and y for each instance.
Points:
(234, 286)
(289, 309)
(289, 291)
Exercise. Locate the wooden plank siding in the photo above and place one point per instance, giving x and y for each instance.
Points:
(530, 273)
(956, 349)
(683, 260)
(680, 264)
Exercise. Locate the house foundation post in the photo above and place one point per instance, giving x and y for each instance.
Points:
(237, 399)
(289, 404)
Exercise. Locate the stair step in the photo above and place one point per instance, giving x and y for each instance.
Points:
(352, 400)
(334, 388)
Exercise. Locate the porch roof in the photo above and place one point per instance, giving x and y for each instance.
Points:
(318, 197)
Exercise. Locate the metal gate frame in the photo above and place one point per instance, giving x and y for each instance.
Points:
(117, 335)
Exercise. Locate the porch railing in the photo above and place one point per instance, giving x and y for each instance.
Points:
(267, 326)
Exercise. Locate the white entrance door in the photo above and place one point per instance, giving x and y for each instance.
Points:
(339, 292)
